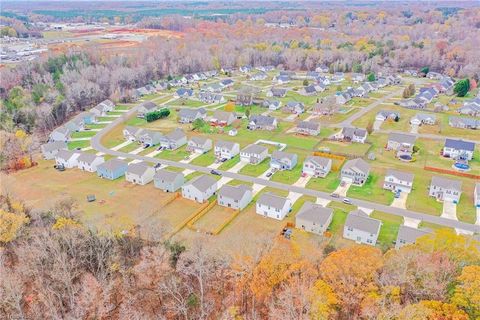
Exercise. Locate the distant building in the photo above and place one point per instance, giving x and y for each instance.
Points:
(309, 128)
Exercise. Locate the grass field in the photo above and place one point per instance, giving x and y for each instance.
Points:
(83, 134)
(389, 229)
(230, 163)
(372, 190)
(78, 144)
(327, 184)
(256, 170)
(204, 160)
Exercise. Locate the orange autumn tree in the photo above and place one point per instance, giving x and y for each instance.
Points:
(352, 272)
(467, 292)
(432, 310)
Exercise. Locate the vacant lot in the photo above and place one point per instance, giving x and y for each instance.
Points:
(214, 218)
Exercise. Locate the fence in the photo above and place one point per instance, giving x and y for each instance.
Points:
(200, 213)
(185, 222)
(226, 223)
(453, 172)
(336, 165)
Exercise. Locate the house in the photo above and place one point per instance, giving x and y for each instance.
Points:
(89, 161)
(360, 228)
(294, 107)
(232, 132)
(254, 154)
(67, 158)
(259, 122)
(184, 93)
(88, 117)
(358, 77)
(282, 79)
(476, 195)
(458, 149)
(408, 235)
(470, 109)
(50, 149)
(423, 118)
(387, 115)
(312, 75)
(434, 75)
(411, 72)
(112, 169)
(187, 115)
(355, 171)
(222, 118)
(244, 99)
(308, 128)
(313, 218)
(212, 88)
(199, 145)
(60, 134)
(259, 76)
(200, 189)
(342, 97)
(351, 134)
(272, 206)
(132, 133)
(338, 77)
(76, 124)
(168, 181)
(444, 189)
(226, 149)
(277, 92)
(149, 138)
(235, 197)
(398, 181)
(245, 69)
(316, 166)
(265, 68)
(146, 107)
(401, 142)
(139, 173)
(272, 104)
(210, 97)
(464, 123)
(312, 89)
(322, 68)
(283, 160)
(226, 83)
(326, 107)
(174, 140)
(102, 108)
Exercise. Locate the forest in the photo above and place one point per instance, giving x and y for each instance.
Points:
(53, 267)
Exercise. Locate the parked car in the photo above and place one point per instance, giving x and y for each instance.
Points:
(59, 167)
(269, 174)
(347, 201)
(215, 172)
(334, 195)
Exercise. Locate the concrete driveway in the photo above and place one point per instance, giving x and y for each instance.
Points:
(411, 222)
(400, 202)
(478, 216)
(377, 125)
(301, 182)
(237, 167)
(413, 128)
(342, 191)
(449, 210)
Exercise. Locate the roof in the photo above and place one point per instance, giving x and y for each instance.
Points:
(223, 115)
(199, 140)
(56, 145)
(166, 175)
(87, 157)
(459, 144)
(310, 125)
(148, 105)
(400, 175)
(350, 132)
(203, 182)
(315, 213)
(225, 144)
(272, 200)
(402, 138)
(138, 168)
(234, 192)
(113, 164)
(191, 113)
(358, 219)
(357, 165)
(262, 120)
(176, 134)
(319, 161)
(280, 155)
(65, 154)
(254, 148)
(410, 234)
(446, 183)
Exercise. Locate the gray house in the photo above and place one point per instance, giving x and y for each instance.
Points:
(313, 218)
(150, 137)
(444, 189)
(235, 197)
(226, 149)
(259, 122)
(132, 133)
(112, 169)
(200, 189)
(398, 181)
(317, 166)
(254, 154)
(89, 161)
(308, 128)
(140, 173)
(174, 140)
(408, 235)
(458, 149)
(283, 160)
(50, 149)
(60, 134)
(272, 206)
(189, 115)
(146, 107)
(401, 142)
(199, 145)
(360, 228)
(168, 181)
(355, 171)
(222, 118)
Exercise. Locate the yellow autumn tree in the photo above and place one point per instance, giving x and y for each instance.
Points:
(10, 225)
(322, 301)
(467, 292)
(230, 106)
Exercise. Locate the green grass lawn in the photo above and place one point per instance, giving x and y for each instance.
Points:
(95, 126)
(174, 155)
(256, 170)
(204, 160)
(418, 199)
(103, 119)
(135, 122)
(355, 149)
(115, 113)
(78, 144)
(123, 107)
(466, 211)
(338, 221)
(372, 190)
(130, 147)
(188, 103)
(327, 184)
(83, 134)
(229, 163)
(288, 176)
(389, 229)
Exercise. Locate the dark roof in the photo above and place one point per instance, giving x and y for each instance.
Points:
(459, 144)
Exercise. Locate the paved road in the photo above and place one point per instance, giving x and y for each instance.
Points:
(96, 144)
(429, 136)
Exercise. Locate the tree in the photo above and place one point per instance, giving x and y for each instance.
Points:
(371, 77)
(10, 225)
(305, 82)
(198, 124)
(155, 115)
(425, 70)
(461, 87)
(467, 292)
(409, 91)
(432, 310)
(230, 106)
(322, 301)
(247, 112)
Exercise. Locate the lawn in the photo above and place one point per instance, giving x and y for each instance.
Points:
(204, 160)
(95, 126)
(372, 190)
(327, 184)
(338, 221)
(78, 144)
(229, 163)
(123, 107)
(130, 147)
(354, 149)
(105, 119)
(83, 134)
(135, 122)
(188, 103)
(296, 141)
(174, 155)
(113, 137)
(289, 176)
(256, 170)
(389, 229)
(418, 199)
(115, 113)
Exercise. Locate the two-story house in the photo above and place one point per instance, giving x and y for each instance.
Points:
(316, 166)
(226, 149)
(273, 206)
(396, 181)
(235, 197)
(444, 189)
(355, 171)
(313, 218)
(283, 160)
(254, 154)
(360, 228)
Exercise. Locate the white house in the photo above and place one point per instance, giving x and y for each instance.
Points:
(199, 145)
(360, 228)
(313, 218)
(200, 189)
(132, 133)
(350, 134)
(235, 197)
(60, 134)
(281, 160)
(315, 166)
(67, 158)
(146, 107)
(254, 154)
(476, 195)
(396, 180)
(89, 161)
(226, 149)
(458, 149)
(444, 189)
(140, 173)
(168, 181)
(355, 171)
(273, 206)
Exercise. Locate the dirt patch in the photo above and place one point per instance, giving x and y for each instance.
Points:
(214, 218)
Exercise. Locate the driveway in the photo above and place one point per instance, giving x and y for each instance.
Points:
(414, 128)
(237, 167)
(342, 191)
(291, 117)
(322, 201)
(411, 222)
(478, 216)
(401, 201)
(449, 210)
(301, 182)
(377, 125)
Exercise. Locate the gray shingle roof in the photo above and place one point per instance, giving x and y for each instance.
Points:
(225, 144)
(358, 164)
(166, 175)
(319, 161)
(310, 125)
(255, 149)
(409, 234)
(112, 164)
(262, 120)
(87, 157)
(176, 134)
(446, 183)
(272, 200)
(360, 220)
(202, 183)
(234, 192)
(56, 145)
(402, 138)
(315, 213)
(401, 175)
(280, 155)
(138, 168)
(65, 154)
